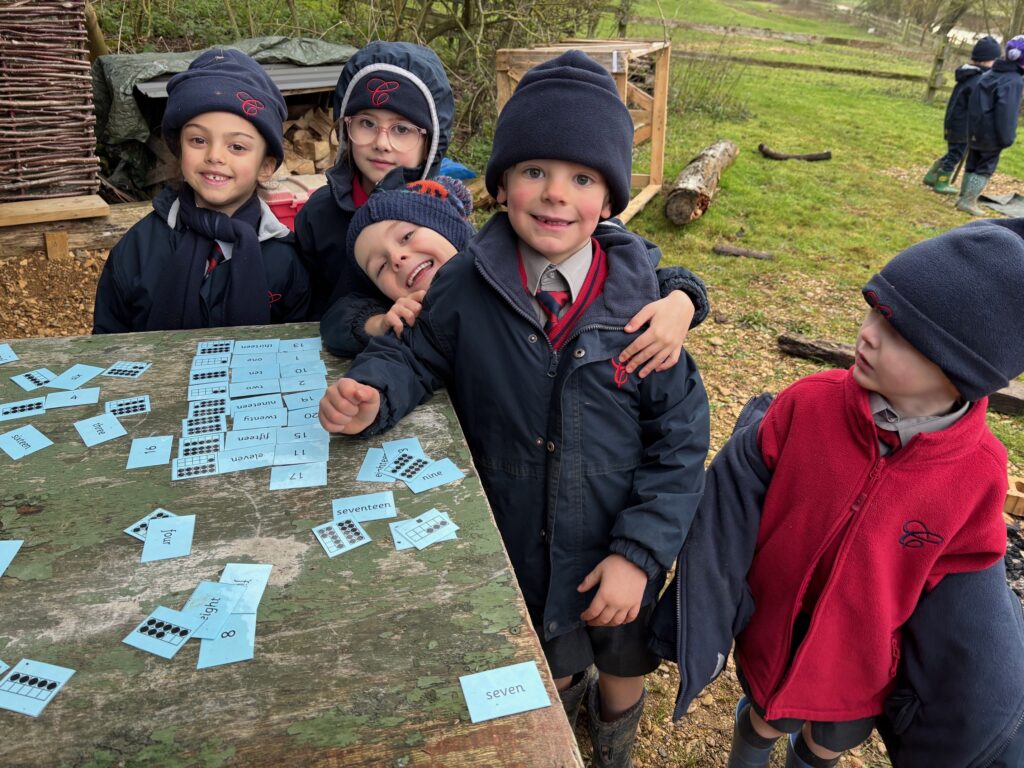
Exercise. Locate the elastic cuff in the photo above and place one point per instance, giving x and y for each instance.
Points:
(638, 556)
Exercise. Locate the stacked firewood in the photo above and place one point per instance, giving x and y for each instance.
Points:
(47, 145)
(310, 142)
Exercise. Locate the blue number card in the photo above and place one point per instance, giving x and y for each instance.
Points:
(298, 476)
(31, 685)
(236, 641)
(150, 451)
(212, 603)
(163, 633)
(71, 398)
(504, 691)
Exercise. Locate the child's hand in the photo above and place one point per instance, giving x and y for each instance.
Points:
(618, 598)
(349, 407)
(658, 348)
(402, 313)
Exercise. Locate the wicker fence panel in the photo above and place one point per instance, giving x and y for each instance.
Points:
(47, 143)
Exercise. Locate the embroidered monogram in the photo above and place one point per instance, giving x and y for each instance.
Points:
(621, 374)
(250, 106)
(916, 535)
(380, 90)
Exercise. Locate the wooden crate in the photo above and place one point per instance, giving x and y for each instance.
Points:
(647, 101)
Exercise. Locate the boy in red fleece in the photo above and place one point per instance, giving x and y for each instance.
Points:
(885, 478)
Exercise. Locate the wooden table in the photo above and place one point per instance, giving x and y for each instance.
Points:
(357, 657)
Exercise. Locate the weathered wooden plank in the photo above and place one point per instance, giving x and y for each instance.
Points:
(56, 209)
(98, 233)
(1009, 400)
(357, 657)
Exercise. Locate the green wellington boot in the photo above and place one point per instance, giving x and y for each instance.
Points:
(932, 175)
(972, 186)
(942, 185)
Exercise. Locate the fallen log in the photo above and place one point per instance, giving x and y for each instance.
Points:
(1009, 400)
(690, 195)
(771, 154)
(734, 250)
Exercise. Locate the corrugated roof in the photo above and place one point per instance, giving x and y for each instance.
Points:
(290, 78)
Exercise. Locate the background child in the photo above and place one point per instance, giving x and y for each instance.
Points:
(983, 56)
(224, 120)
(992, 119)
(885, 478)
(393, 106)
(593, 474)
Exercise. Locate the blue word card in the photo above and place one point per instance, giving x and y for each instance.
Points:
(19, 409)
(269, 417)
(504, 691)
(260, 403)
(218, 347)
(100, 429)
(341, 535)
(150, 451)
(168, 537)
(369, 506)
(249, 438)
(372, 468)
(126, 369)
(257, 387)
(211, 603)
(300, 453)
(34, 379)
(438, 473)
(163, 633)
(255, 372)
(140, 528)
(7, 354)
(31, 685)
(128, 406)
(75, 376)
(71, 398)
(298, 476)
(256, 346)
(8, 549)
(255, 457)
(22, 441)
(257, 358)
(252, 576)
(235, 642)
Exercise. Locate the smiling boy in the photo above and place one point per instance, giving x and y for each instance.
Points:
(593, 473)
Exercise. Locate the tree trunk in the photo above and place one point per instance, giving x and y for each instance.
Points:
(691, 193)
(96, 43)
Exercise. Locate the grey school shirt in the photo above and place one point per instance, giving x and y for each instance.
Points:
(541, 274)
(907, 426)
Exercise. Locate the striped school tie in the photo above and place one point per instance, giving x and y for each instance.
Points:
(552, 302)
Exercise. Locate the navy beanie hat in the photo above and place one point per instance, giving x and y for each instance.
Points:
(381, 85)
(442, 204)
(956, 299)
(225, 80)
(567, 109)
(986, 49)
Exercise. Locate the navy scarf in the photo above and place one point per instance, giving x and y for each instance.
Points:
(179, 304)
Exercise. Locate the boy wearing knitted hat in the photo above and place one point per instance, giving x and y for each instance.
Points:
(992, 122)
(983, 56)
(592, 472)
(884, 479)
(211, 253)
(400, 238)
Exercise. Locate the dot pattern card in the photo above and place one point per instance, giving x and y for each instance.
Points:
(34, 379)
(200, 391)
(100, 429)
(235, 642)
(203, 425)
(200, 362)
(75, 376)
(298, 476)
(7, 354)
(341, 535)
(163, 633)
(191, 467)
(19, 409)
(128, 406)
(195, 445)
(140, 528)
(209, 406)
(426, 529)
(169, 537)
(217, 375)
(150, 451)
(84, 396)
(126, 369)
(218, 347)
(22, 441)
(31, 685)
(406, 466)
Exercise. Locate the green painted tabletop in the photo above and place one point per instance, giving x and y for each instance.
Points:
(357, 657)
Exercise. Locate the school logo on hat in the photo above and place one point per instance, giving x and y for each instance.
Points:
(380, 90)
(250, 106)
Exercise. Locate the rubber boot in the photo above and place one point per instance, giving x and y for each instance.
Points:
(792, 758)
(942, 185)
(932, 175)
(613, 742)
(572, 697)
(973, 186)
(742, 754)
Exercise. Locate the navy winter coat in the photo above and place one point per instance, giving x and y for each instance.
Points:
(343, 326)
(955, 125)
(578, 460)
(132, 274)
(959, 699)
(322, 223)
(994, 107)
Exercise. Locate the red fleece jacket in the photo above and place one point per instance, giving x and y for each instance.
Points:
(901, 522)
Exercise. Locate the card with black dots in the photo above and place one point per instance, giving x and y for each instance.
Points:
(129, 406)
(163, 632)
(219, 347)
(139, 527)
(126, 369)
(341, 535)
(191, 467)
(31, 685)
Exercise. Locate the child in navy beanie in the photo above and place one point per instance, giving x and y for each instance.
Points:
(533, 329)
(983, 56)
(885, 478)
(224, 121)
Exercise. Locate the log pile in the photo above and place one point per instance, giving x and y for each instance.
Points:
(310, 142)
(47, 144)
